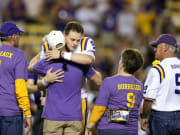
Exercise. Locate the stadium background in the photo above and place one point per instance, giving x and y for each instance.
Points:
(113, 24)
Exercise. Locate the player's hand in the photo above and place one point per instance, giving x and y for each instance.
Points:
(88, 132)
(89, 128)
(54, 76)
(144, 123)
(43, 100)
(52, 54)
(28, 124)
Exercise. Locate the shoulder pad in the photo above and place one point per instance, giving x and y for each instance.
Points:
(87, 44)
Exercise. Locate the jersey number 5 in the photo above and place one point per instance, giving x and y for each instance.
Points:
(131, 100)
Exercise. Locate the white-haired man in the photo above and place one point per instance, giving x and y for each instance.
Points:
(161, 107)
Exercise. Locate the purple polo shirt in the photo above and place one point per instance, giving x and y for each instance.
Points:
(116, 93)
(13, 65)
(63, 100)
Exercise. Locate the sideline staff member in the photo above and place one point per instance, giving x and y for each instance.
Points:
(13, 88)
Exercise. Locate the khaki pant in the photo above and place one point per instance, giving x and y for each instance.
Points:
(62, 127)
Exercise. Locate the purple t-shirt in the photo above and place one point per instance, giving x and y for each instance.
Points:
(63, 100)
(117, 92)
(13, 65)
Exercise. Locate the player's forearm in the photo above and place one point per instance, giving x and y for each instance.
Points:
(82, 59)
(96, 114)
(146, 108)
(32, 62)
(41, 85)
(32, 88)
(97, 78)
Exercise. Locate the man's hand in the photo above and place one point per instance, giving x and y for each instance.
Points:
(43, 100)
(52, 77)
(88, 132)
(52, 54)
(28, 124)
(144, 123)
(89, 128)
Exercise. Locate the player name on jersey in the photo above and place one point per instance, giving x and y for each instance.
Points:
(175, 66)
(129, 86)
(6, 54)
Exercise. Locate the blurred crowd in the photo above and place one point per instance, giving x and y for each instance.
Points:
(113, 24)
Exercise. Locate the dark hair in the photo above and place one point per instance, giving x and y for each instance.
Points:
(73, 26)
(132, 60)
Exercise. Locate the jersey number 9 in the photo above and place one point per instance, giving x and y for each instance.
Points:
(131, 100)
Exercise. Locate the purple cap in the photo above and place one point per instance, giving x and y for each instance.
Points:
(165, 38)
(9, 28)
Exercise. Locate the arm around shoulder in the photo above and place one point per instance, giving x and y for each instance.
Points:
(82, 58)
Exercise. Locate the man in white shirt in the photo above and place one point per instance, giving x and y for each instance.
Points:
(161, 107)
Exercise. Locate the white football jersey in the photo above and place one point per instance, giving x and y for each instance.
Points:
(163, 85)
(86, 46)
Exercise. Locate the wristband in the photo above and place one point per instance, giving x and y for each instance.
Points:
(28, 116)
(67, 56)
(44, 82)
